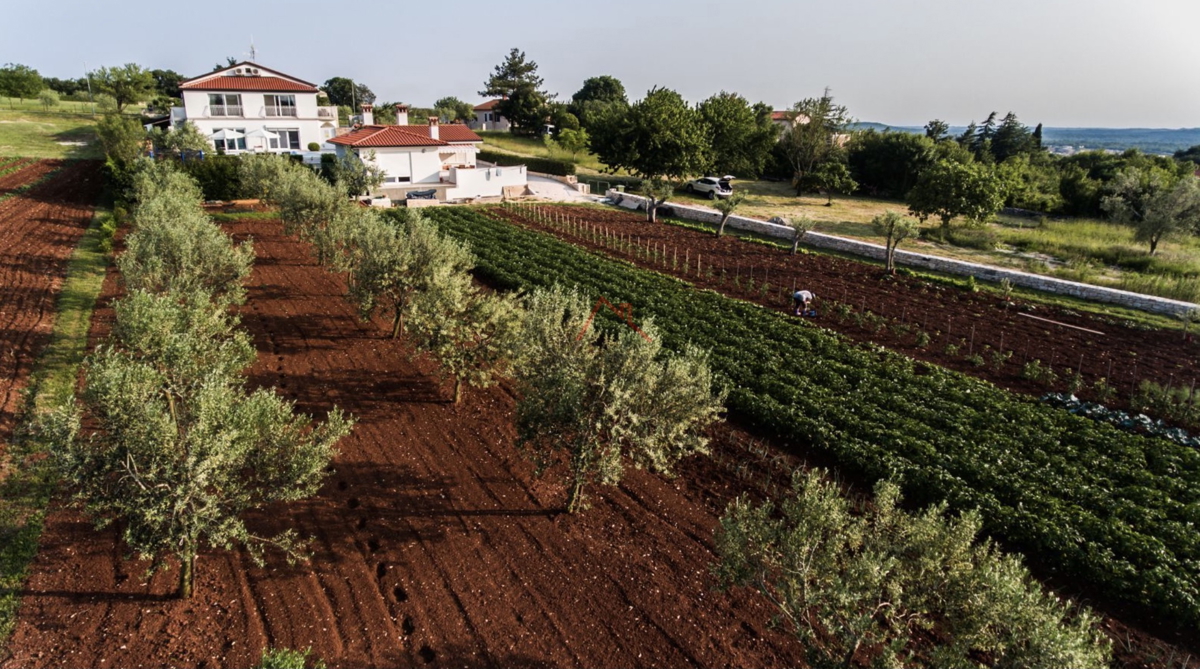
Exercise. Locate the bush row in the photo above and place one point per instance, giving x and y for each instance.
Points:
(1114, 509)
(543, 165)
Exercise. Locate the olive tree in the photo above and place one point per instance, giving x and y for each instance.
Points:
(1154, 203)
(591, 402)
(858, 583)
(895, 229)
(800, 226)
(393, 262)
(727, 206)
(472, 334)
(167, 444)
(185, 254)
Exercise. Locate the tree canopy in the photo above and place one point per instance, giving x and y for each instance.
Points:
(742, 134)
(345, 92)
(20, 81)
(167, 82)
(812, 136)
(596, 94)
(659, 138)
(522, 100)
(1154, 203)
(949, 188)
(127, 84)
(451, 110)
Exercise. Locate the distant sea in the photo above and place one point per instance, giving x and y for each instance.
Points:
(1069, 140)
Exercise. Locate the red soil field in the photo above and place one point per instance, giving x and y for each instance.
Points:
(1124, 355)
(27, 173)
(434, 544)
(38, 232)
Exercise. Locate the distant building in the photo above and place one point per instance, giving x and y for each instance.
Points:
(250, 108)
(427, 157)
(487, 118)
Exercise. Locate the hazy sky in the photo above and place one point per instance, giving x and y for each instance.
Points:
(1107, 63)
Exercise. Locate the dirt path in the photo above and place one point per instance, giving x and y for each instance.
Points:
(38, 232)
(433, 544)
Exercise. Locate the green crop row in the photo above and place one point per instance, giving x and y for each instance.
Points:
(10, 165)
(1119, 511)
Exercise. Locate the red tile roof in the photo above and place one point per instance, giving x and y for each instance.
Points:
(452, 132)
(487, 106)
(224, 79)
(779, 115)
(251, 83)
(384, 136)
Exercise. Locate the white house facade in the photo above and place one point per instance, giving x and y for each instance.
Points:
(428, 157)
(250, 108)
(487, 118)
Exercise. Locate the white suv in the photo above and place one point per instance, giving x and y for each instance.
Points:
(715, 187)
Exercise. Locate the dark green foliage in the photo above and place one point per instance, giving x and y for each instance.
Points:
(887, 164)
(217, 176)
(1112, 509)
(127, 84)
(543, 165)
(522, 100)
(344, 92)
(742, 134)
(20, 81)
(452, 110)
(166, 82)
(596, 95)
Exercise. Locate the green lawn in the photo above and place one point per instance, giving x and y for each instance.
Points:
(40, 134)
(534, 147)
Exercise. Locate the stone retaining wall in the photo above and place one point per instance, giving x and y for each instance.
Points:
(1124, 298)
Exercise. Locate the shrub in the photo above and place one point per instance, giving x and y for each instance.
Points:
(217, 176)
(543, 165)
(872, 581)
(313, 146)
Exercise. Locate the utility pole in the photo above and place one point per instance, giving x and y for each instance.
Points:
(88, 75)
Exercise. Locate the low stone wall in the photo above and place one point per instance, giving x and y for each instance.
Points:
(1124, 298)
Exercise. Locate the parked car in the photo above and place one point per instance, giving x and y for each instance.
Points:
(715, 187)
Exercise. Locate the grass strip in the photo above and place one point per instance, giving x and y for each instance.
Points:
(26, 491)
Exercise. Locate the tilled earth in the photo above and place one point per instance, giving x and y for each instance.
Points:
(434, 544)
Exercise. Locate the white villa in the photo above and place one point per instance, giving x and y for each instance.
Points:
(428, 157)
(248, 107)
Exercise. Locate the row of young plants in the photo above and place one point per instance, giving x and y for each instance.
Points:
(164, 440)
(1114, 509)
(10, 165)
(30, 185)
(1136, 423)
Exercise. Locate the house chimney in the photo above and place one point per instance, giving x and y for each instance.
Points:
(368, 114)
(433, 128)
(401, 114)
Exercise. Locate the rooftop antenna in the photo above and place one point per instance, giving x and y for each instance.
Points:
(253, 52)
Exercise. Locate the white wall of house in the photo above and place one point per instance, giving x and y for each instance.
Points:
(489, 120)
(403, 165)
(311, 122)
(484, 182)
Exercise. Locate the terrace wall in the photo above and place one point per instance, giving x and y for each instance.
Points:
(1124, 298)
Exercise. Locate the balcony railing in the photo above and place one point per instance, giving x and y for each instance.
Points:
(280, 111)
(225, 110)
(327, 112)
